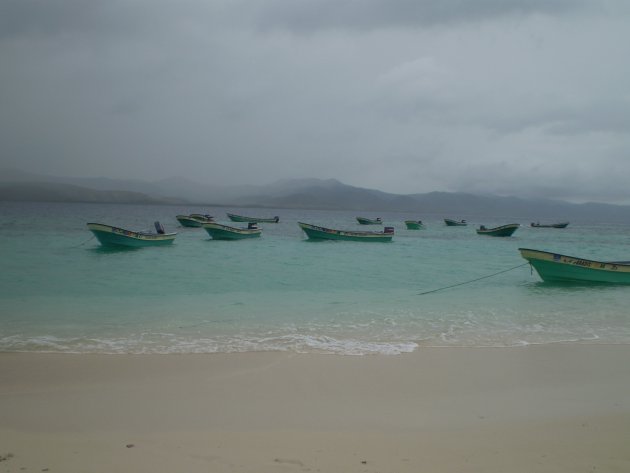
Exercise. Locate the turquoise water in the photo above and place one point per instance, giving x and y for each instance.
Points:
(60, 291)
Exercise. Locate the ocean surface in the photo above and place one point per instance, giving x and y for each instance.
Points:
(60, 291)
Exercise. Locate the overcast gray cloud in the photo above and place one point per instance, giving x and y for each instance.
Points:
(526, 97)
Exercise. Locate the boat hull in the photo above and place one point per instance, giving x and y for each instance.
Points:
(241, 218)
(554, 267)
(187, 221)
(454, 223)
(413, 225)
(114, 236)
(552, 225)
(314, 232)
(369, 221)
(224, 232)
(194, 220)
(502, 231)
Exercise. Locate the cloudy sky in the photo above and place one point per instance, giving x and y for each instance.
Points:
(513, 97)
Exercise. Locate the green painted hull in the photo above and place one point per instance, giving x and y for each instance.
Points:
(502, 231)
(223, 232)
(455, 223)
(369, 221)
(413, 225)
(114, 236)
(553, 267)
(187, 221)
(241, 218)
(193, 220)
(314, 232)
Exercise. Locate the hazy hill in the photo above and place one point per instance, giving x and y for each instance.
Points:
(56, 192)
(325, 194)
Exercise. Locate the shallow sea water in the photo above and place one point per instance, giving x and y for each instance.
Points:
(60, 291)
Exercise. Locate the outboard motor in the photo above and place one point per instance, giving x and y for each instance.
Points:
(159, 228)
(389, 230)
(276, 218)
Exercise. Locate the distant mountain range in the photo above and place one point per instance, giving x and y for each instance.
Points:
(328, 194)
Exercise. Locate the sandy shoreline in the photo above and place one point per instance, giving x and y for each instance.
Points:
(533, 409)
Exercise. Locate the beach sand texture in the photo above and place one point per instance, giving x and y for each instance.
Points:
(553, 408)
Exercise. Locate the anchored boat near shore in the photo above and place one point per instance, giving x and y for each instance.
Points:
(502, 231)
(414, 224)
(455, 223)
(314, 232)
(370, 221)
(557, 267)
(194, 220)
(550, 225)
(241, 218)
(108, 235)
(224, 232)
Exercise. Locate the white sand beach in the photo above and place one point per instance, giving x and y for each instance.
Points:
(553, 408)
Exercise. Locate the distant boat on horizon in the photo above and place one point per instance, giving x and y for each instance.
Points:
(550, 225)
(314, 232)
(241, 218)
(194, 220)
(501, 231)
(370, 221)
(455, 223)
(414, 224)
(224, 232)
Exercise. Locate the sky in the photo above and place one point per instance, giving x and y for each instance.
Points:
(529, 98)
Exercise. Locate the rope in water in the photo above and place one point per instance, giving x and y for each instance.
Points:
(77, 246)
(473, 280)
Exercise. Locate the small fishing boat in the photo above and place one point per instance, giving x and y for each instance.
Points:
(241, 218)
(502, 231)
(224, 232)
(550, 225)
(313, 232)
(455, 223)
(557, 267)
(194, 220)
(414, 224)
(370, 221)
(114, 236)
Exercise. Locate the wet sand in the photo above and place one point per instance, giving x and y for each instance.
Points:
(554, 408)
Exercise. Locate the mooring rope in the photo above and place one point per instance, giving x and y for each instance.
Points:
(77, 246)
(473, 280)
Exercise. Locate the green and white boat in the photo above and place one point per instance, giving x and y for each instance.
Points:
(455, 223)
(554, 267)
(223, 232)
(108, 235)
(370, 221)
(314, 232)
(241, 218)
(414, 224)
(194, 220)
(502, 231)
